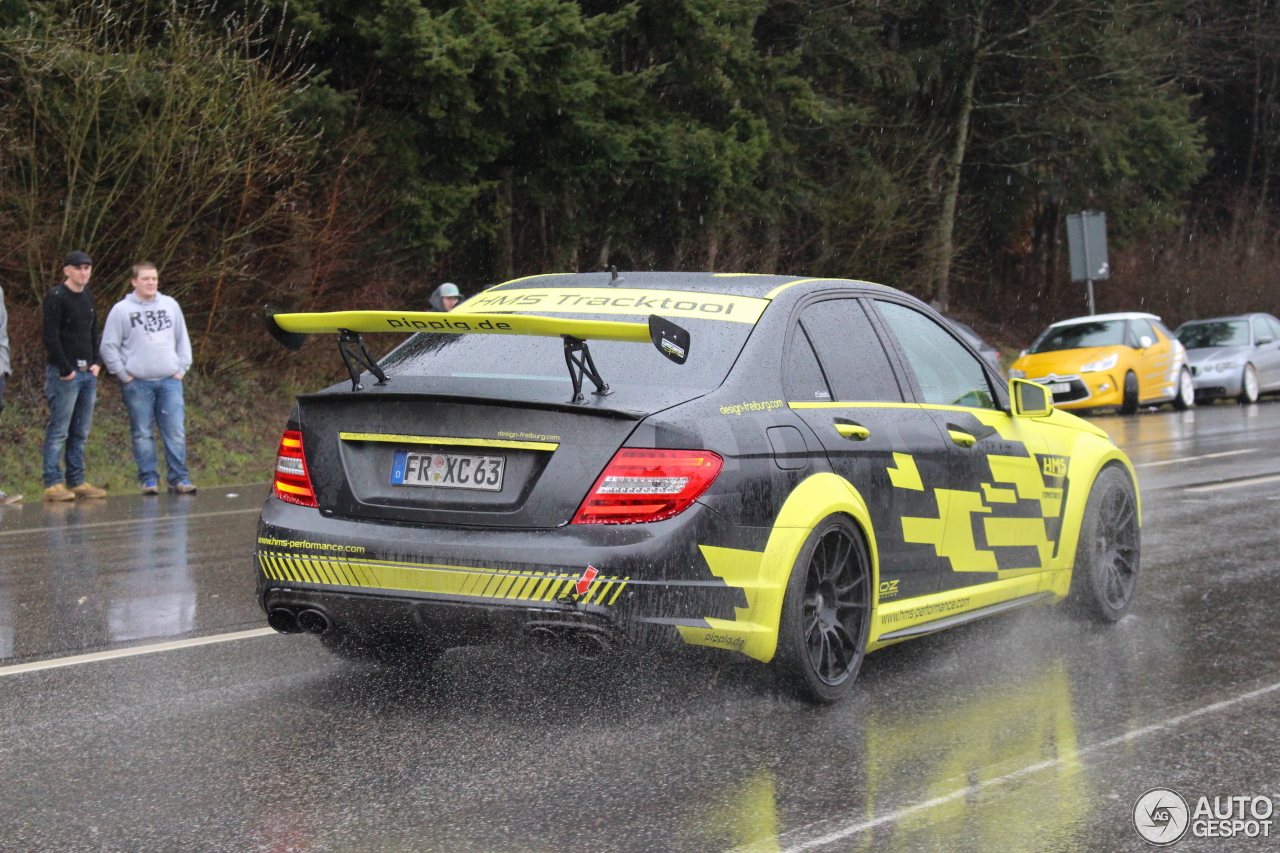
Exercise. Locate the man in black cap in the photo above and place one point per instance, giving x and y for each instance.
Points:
(71, 379)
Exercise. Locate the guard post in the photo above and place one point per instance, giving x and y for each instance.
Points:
(1087, 245)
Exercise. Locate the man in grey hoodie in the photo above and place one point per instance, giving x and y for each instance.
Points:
(4, 377)
(145, 345)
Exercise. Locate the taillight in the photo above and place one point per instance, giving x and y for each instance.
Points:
(293, 483)
(648, 485)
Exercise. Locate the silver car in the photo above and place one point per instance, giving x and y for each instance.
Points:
(1233, 356)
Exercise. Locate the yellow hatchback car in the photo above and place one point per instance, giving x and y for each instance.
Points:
(1124, 360)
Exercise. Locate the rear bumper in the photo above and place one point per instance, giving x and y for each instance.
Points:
(459, 586)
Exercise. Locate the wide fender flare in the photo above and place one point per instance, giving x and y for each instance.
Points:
(1079, 499)
(816, 498)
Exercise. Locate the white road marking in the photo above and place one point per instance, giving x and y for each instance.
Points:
(1252, 481)
(30, 530)
(1196, 458)
(93, 657)
(968, 790)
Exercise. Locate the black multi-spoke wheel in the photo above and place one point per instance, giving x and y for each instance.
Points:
(1107, 558)
(1129, 404)
(826, 612)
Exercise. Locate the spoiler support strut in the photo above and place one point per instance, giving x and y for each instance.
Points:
(577, 355)
(356, 356)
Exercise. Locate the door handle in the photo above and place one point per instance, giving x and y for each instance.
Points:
(962, 438)
(853, 432)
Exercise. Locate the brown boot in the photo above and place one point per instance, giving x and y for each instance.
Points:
(59, 493)
(84, 490)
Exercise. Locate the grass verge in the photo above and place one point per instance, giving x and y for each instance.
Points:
(233, 428)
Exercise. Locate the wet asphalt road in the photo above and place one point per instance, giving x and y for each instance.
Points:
(1030, 731)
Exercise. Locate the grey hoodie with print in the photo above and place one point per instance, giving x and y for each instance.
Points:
(145, 340)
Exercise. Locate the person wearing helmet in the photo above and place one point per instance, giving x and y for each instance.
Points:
(445, 297)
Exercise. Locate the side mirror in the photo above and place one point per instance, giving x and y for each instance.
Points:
(1030, 399)
(1145, 341)
(1263, 341)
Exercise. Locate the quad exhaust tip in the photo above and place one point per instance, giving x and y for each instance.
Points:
(283, 620)
(288, 621)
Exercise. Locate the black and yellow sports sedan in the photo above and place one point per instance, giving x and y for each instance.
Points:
(797, 470)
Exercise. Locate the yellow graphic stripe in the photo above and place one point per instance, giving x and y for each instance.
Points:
(442, 580)
(906, 475)
(446, 440)
(467, 323)
(612, 300)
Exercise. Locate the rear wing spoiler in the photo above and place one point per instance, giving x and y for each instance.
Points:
(291, 330)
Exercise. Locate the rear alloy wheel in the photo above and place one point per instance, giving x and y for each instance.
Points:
(1248, 386)
(1129, 405)
(1107, 557)
(826, 613)
(1186, 397)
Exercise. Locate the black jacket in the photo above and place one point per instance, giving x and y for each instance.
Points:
(70, 325)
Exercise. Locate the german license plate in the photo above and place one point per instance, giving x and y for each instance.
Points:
(448, 470)
(1059, 387)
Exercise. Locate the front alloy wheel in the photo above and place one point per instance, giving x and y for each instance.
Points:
(1249, 385)
(826, 613)
(1107, 558)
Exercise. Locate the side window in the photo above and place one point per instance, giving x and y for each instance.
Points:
(1163, 330)
(1275, 328)
(851, 354)
(1260, 329)
(946, 372)
(1137, 329)
(802, 377)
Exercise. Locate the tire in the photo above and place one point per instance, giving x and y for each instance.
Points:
(1110, 549)
(1248, 386)
(820, 646)
(1186, 396)
(1130, 404)
(401, 651)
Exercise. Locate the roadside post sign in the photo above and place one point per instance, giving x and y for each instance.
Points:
(1087, 245)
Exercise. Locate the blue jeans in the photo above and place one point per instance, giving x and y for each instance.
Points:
(70, 417)
(152, 403)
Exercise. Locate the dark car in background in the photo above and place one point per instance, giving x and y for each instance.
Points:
(1235, 356)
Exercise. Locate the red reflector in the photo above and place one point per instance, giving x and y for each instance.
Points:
(648, 485)
(292, 482)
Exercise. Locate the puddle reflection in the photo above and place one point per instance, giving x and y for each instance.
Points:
(950, 754)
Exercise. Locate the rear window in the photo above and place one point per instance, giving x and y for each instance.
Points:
(1096, 333)
(713, 347)
(1227, 333)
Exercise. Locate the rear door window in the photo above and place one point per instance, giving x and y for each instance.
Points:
(851, 353)
(946, 372)
(803, 381)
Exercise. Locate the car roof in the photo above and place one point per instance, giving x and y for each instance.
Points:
(732, 284)
(1119, 315)
(1225, 319)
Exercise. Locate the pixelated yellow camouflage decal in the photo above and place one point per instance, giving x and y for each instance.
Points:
(1040, 479)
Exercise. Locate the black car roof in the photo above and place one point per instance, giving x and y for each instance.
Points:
(733, 284)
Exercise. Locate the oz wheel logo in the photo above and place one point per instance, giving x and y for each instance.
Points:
(1161, 817)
